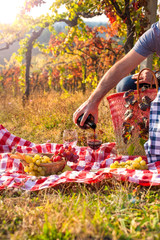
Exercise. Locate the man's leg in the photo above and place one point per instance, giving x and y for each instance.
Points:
(126, 84)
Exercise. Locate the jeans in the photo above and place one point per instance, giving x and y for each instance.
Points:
(128, 83)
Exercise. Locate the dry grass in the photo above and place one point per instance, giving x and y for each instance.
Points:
(106, 210)
(45, 117)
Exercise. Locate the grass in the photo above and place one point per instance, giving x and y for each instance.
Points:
(106, 210)
(44, 118)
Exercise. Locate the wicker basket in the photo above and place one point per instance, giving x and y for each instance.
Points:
(54, 167)
(49, 168)
(117, 103)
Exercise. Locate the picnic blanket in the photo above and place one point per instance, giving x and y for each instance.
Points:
(91, 167)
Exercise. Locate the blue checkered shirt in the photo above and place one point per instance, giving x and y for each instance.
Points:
(152, 146)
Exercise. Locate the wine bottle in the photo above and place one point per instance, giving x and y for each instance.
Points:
(89, 123)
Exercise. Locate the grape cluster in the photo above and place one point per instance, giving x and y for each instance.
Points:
(68, 152)
(33, 163)
(137, 163)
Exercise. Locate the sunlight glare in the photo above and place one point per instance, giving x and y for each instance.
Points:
(9, 10)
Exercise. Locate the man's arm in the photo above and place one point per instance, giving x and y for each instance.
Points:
(118, 71)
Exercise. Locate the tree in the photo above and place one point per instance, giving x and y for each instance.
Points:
(92, 53)
(130, 15)
(28, 56)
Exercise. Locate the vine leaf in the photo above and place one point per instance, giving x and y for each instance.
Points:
(130, 149)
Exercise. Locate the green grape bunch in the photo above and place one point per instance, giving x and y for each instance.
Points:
(137, 164)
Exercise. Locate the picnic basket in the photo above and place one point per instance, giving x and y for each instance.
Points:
(130, 120)
(49, 168)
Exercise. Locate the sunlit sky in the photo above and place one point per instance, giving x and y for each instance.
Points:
(10, 8)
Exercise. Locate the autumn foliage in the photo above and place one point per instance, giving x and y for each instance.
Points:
(82, 62)
(73, 64)
(77, 58)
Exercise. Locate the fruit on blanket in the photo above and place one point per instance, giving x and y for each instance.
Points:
(42, 165)
(137, 163)
(33, 164)
(67, 152)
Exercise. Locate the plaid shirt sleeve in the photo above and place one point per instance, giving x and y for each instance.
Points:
(152, 146)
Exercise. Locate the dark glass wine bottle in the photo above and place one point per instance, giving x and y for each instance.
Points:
(89, 123)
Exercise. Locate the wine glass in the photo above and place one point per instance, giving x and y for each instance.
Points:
(70, 137)
(93, 141)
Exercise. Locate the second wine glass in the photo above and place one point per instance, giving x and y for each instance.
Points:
(70, 137)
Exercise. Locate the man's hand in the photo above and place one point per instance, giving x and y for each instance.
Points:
(86, 108)
(145, 77)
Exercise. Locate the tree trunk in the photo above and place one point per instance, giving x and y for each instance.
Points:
(130, 38)
(28, 58)
(152, 6)
(84, 77)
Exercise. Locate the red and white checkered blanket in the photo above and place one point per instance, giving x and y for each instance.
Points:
(90, 168)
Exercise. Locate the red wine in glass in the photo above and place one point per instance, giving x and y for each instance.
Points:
(93, 142)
